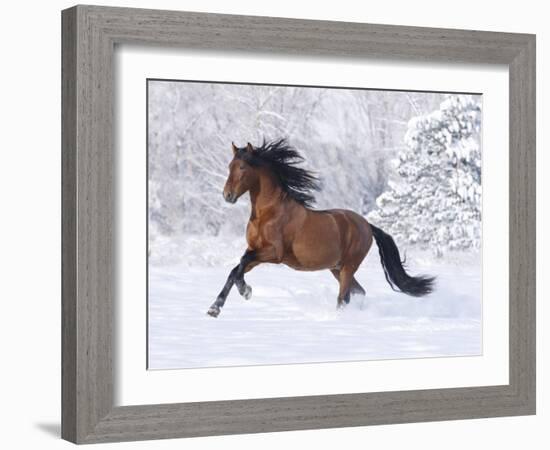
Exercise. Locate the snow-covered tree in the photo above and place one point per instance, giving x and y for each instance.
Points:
(435, 199)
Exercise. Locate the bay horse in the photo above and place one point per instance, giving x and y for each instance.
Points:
(284, 229)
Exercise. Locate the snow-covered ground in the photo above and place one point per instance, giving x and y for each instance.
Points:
(292, 316)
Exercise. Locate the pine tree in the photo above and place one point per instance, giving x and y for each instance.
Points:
(435, 200)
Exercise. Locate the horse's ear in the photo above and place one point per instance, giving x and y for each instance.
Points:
(234, 148)
(249, 147)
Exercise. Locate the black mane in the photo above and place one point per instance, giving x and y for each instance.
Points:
(281, 159)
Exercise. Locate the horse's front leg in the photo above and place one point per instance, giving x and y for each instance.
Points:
(251, 259)
(244, 289)
(216, 307)
(236, 276)
(246, 264)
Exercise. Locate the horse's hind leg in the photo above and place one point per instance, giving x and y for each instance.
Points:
(345, 279)
(355, 287)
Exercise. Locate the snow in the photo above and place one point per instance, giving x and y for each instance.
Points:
(292, 316)
(410, 161)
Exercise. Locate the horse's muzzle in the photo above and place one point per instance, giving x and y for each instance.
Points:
(229, 197)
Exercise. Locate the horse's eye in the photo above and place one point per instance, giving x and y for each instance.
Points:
(241, 167)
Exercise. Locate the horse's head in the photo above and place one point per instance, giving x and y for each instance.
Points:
(242, 175)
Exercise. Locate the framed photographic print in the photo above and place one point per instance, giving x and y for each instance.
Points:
(268, 222)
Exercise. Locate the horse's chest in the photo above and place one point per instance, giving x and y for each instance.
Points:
(260, 233)
(253, 234)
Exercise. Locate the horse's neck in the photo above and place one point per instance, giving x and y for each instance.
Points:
(267, 194)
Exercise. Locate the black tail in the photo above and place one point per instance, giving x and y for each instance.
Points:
(393, 267)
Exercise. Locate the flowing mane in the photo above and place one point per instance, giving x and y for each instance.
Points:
(282, 159)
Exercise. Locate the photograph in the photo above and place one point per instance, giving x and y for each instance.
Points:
(265, 225)
(295, 224)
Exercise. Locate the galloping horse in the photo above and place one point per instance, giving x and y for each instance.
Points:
(283, 229)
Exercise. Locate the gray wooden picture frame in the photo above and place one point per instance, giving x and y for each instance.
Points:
(89, 35)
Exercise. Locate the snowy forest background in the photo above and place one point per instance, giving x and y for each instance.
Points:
(408, 161)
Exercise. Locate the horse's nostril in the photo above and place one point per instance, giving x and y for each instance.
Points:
(228, 196)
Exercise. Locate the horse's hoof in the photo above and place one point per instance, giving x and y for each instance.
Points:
(247, 294)
(214, 311)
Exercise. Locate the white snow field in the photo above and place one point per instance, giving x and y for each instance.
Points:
(292, 316)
